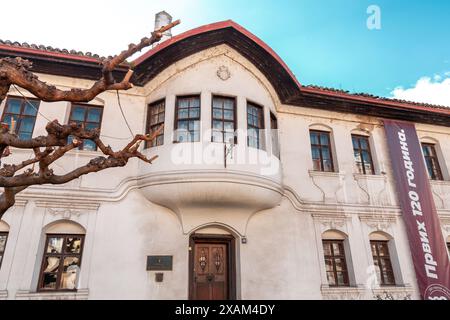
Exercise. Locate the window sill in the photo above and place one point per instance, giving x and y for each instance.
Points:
(333, 174)
(360, 176)
(80, 294)
(342, 293)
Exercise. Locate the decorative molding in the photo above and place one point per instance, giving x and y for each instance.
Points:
(81, 294)
(393, 293)
(329, 184)
(223, 73)
(66, 213)
(342, 293)
(377, 221)
(57, 207)
(331, 221)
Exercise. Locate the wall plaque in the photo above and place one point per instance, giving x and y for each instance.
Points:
(159, 263)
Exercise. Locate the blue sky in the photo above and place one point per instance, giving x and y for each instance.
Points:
(324, 42)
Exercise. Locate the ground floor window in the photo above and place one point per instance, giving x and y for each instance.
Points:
(61, 262)
(335, 264)
(382, 262)
(3, 238)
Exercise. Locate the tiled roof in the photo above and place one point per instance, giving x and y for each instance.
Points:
(375, 97)
(44, 49)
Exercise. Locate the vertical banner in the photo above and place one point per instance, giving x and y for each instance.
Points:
(428, 248)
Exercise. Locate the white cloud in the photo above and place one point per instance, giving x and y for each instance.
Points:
(427, 90)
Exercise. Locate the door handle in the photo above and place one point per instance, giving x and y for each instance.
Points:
(210, 277)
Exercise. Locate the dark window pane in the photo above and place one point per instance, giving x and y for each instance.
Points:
(363, 157)
(73, 245)
(94, 115)
(78, 114)
(31, 107)
(49, 281)
(70, 273)
(55, 245)
(14, 106)
(51, 264)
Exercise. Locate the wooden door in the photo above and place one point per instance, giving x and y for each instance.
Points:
(210, 271)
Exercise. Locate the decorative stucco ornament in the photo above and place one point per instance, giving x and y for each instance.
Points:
(223, 73)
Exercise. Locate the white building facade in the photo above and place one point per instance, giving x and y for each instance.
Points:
(304, 208)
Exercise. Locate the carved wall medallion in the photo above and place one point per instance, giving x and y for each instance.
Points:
(65, 213)
(223, 73)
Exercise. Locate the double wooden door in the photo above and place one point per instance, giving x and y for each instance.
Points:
(210, 270)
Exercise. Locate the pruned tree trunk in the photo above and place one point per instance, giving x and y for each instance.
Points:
(15, 178)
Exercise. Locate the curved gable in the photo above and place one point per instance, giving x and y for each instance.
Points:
(227, 32)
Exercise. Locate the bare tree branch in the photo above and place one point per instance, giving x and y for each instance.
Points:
(47, 149)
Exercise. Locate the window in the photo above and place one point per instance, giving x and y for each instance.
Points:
(61, 262)
(255, 126)
(223, 119)
(155, 119)
(21, 115)
(88, 116)
(321, 151)
(187, 119)
(363, 156)
(431, 161)
(3, 238)
(382, 261)
(335, 264)
(448, 247)
(274, 129)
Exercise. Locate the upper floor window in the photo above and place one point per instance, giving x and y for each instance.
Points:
(187, 119)
(3, 238)
(321, 151)
(274, 131)
(335, 264)
(155, 119)
(363, 155)
(382, 261)
(90, 117)
(61, 262)
(223, 119)
(255, 126)
(20, 114)
(431, 161)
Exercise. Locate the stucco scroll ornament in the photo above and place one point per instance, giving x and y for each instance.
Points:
(66, 213)
(223, 73)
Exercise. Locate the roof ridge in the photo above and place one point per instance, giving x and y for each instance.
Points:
(373, 96)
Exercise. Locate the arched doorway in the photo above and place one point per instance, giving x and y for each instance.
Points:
(212, 266)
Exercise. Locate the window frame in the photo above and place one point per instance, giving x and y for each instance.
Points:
(378, 257)
(2, 253)
(360, 150)
(234, 121)
(86, 105)
(62, 255)
(437, 171)
(333, 258)
(21, 115)
(199, 119)
(149, 127)
(275, 139)
(320, 145)
(261, 139)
